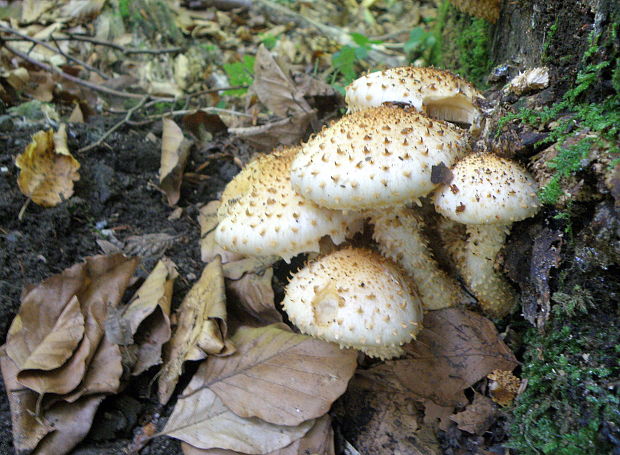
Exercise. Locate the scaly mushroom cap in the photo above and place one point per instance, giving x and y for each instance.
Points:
(438, 93)
(357, 298)
(379, 157)
(487, 189)
(261, 214)
(485, 9)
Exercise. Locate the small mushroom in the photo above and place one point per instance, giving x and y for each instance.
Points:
(488, 194)
(438, 93)
(261, 214)
(357, 298)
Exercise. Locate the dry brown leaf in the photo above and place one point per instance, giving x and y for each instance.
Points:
(255, 294)
(97, 283)
(149, 244)
(319, 440)
(201, 419)
(477, 416)
(378, 415)
(274, 88)
(279, 376)
(207, 218)
(77, 116)
(257, 264)
(60, 427)
(201, 328)
(47, 169)
(456, 348)
(287, 131)
(174, 154)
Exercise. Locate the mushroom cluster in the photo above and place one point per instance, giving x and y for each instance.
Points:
(367, 166)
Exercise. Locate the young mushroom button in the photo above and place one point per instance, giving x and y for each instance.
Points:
(357, 298)
(488, 194)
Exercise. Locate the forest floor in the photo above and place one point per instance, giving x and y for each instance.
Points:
(565, 262)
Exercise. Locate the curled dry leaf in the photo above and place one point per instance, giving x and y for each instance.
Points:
(456, 348)
(279, 376)
(287, 131)
(148, 315)
(319, 440)
(48, 323)
(275, 88)
(255, 294)
(201, 419)
(378, 415)
(62, 426)
(201, 328)
(477, 416)
(207, 218)
(48, 170)
(174, 154)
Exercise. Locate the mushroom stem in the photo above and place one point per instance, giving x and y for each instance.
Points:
(399, 236)
(478, 269)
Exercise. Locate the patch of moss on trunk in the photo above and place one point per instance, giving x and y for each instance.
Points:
(462, 44)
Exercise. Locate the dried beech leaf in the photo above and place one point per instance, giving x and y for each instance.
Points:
(279, 376)
(456, 348)
(97, 283)
(47, 169)
(319, 440)
(71, 423)
(378, 415)
(27, 430)
(202, 420)
(255, 294)
(477, 416)
(274, 88)
(257, 264)
(207, 218)
(149, 244)
(287, 131)
(57, 339)
(174, 154)
(201, 327)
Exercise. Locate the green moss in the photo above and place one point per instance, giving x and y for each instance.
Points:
(462, 44)
(601, 118)
(566, 403)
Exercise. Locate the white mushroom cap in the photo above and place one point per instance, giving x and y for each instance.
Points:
(487, 189)
(357, 298)
(379, 157)
(261, 214)
(438, 93)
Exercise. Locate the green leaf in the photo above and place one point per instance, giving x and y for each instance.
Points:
(240, 73)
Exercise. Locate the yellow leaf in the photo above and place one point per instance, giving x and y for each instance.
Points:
(47, 168)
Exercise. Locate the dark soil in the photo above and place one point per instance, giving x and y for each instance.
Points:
(117, 190)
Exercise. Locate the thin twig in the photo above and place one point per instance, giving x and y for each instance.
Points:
(51, 48)
(126, 119)
(118, 47)
(77, 80)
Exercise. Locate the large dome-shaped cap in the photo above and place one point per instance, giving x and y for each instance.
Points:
(379, 157)
(261, 214)
(357, 298)
(488, 189)
(438, 93)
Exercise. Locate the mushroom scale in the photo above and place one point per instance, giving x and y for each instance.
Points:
(261, 214)
(487, 194)
(438, 93)
(357, 298)
(376, 158)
